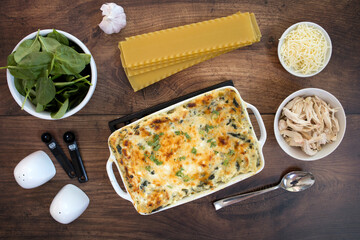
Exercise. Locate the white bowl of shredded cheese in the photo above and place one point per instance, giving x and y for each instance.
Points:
(316, 113)
(304, 49)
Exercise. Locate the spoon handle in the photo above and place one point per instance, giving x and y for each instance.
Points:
(235, 199)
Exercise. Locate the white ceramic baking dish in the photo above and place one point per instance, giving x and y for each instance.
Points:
(125, 195)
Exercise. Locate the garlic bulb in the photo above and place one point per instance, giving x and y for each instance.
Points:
(114, 18)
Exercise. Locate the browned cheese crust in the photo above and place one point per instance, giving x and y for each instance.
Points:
(194, 147)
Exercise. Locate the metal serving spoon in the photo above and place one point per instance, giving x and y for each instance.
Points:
(295, 181)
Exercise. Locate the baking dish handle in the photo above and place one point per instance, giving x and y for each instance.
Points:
(114, 183)
(260, 123)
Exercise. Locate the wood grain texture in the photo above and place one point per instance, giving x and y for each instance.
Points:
(247, 66)
(328, 210)
(331, 203)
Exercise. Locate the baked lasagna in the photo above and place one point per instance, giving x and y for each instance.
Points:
(194, 147)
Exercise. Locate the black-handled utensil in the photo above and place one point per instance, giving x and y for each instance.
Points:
(113, 125)
(69, 138)
(58, 154)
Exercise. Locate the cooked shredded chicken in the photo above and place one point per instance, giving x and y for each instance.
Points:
(308, 123)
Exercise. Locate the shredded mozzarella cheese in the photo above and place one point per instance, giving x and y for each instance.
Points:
(304, 49)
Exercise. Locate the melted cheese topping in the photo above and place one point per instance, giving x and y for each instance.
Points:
(304, 49)
(194, 147)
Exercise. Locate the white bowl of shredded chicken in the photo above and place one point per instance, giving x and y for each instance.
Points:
(304, 49)
(310, 124)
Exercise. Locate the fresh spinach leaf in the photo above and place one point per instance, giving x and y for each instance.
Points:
(59, 37)
(11, 60)
(52, 106)
(67, 61)
(86, 57)
(28, 85)
(19, 86)
(45, 89)
(62, 110)
(26, 47)
(39, 107)
(23, 72)
(48, 44)
(31, 65)
(36, 59)
(32, 99)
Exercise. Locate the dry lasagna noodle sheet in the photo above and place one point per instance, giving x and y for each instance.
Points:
(185, 62)
(212, 35)
(145, 79)
(150, 57)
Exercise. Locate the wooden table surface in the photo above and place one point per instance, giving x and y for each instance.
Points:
(328, 210)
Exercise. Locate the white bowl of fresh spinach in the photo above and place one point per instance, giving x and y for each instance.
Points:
(51, 74)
